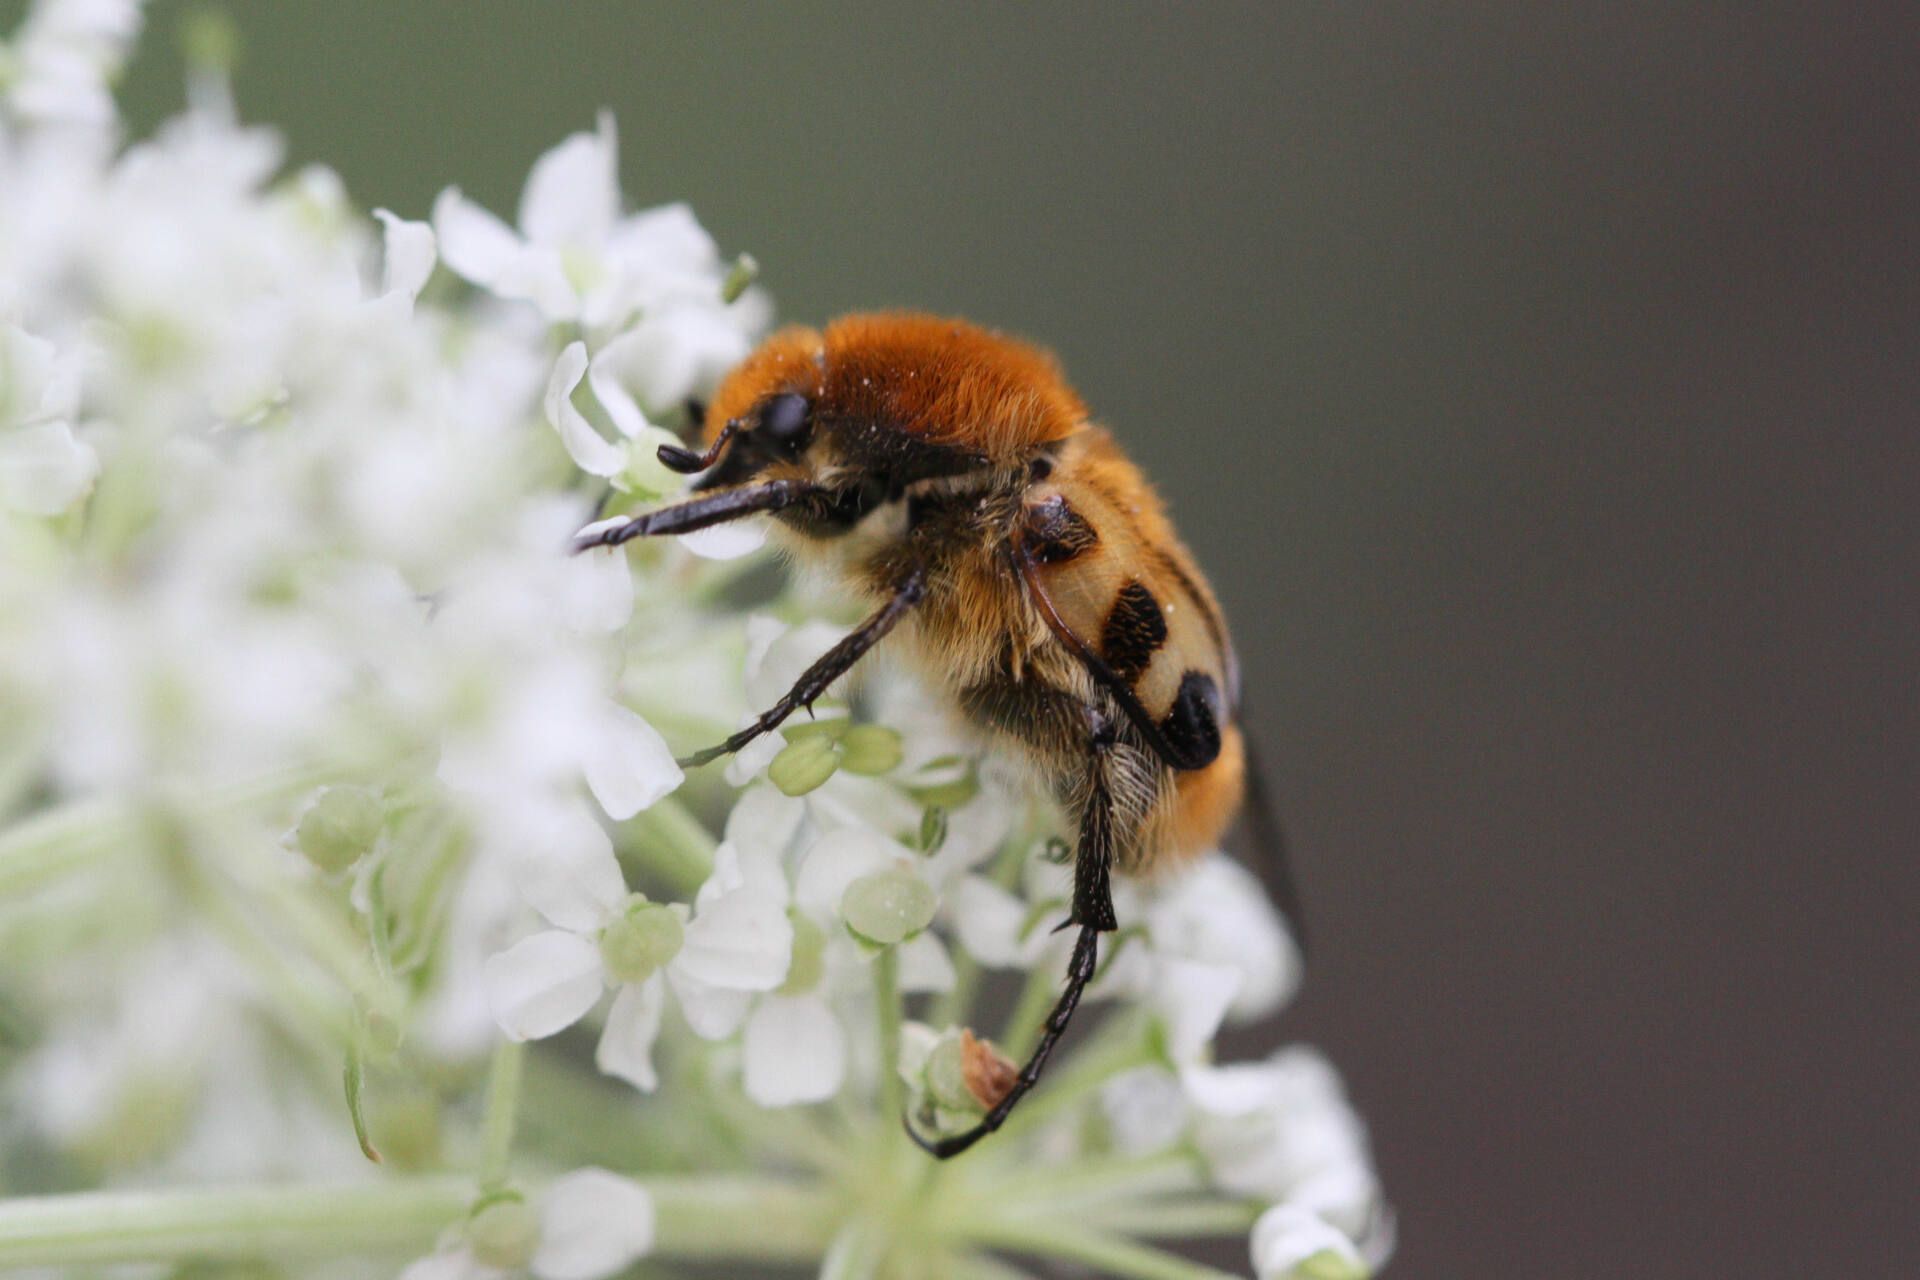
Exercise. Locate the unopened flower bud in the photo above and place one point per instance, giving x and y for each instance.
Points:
(888, 906)
(946, 1078)
(743, 273)
(805, 764)
(339, 828)
(870, 750)
(640, 941)
(504, 1234)
(1291, 1242)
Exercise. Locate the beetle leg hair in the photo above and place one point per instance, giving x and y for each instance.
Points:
(827, 668)
(1093, 912)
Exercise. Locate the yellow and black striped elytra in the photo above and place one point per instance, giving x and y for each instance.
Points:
(1015, 557)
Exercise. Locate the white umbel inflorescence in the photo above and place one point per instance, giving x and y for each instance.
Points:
(319, 751)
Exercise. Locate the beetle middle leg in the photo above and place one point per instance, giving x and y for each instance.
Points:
(827, 668)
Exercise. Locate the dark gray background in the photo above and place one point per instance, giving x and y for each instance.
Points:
(1538, 385)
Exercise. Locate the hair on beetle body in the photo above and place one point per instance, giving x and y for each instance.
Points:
(952, 478)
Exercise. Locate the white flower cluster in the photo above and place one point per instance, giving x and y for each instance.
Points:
(315, 745)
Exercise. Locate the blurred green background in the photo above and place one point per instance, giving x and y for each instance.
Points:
(1537, 383)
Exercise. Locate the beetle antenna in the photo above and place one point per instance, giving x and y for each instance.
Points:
(686, 461)
(718, 508)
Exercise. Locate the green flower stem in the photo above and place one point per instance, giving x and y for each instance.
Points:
(1180, 1219)
(503, 1104)
(698, 1219)
(856, 1253)
(673, 844)
(386, 1216)
(321, 933)
(1085, 1186)
(886, 999)
(62, 840)
(740, 1219)
(1037, 998)
(952, 1004)
(1105, 1254)
(309, 1013)
(980, 1266)
(1119, 1045)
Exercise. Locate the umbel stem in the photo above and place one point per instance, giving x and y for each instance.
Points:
(698, 1218)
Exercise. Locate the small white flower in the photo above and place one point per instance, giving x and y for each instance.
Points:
(589, 1223)
(735, 944)
(66, 56)
(1218, 913)
(410, 254)
(1293, 1243)
(577, 259)
(1282, 1130)
(44, 469)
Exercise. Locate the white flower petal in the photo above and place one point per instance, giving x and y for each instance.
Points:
(474, 243)
(572, 196)
(1220, 913)
(713, 1012)
(603, 374)
(742, 940)
(752, 760)
(628, 767)
(925, 964)
(543, 984)
(596, 587)
(795, 1051)
(592, 1224)
(43, 469)
(1191, 998)
(836, 860)
(449, 1264)
(566, 870)
(764, 819)
(590, 451)
(633, 1024)
(1145, 1109)
(727, 541)
(409, 254)
(786, 657)
(1237, 1089)
(990, 922)
(1286, 1235)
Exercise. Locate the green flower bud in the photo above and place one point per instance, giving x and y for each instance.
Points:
(809, 963)
(640, 941)
(744, 271)
(834, 727)
(504, 1234)
(871, 750)
(888, 906)
(933, 829)
(1331, 1265)
(339, 828)
(946, 1077)
(803, 765)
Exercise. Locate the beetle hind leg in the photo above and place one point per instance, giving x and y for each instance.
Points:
(1093, 913)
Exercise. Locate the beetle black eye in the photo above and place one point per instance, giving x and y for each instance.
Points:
(786, 421)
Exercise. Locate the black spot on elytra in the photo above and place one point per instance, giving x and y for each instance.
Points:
(1192, 727)
(1056, 532)
(1134, 631)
